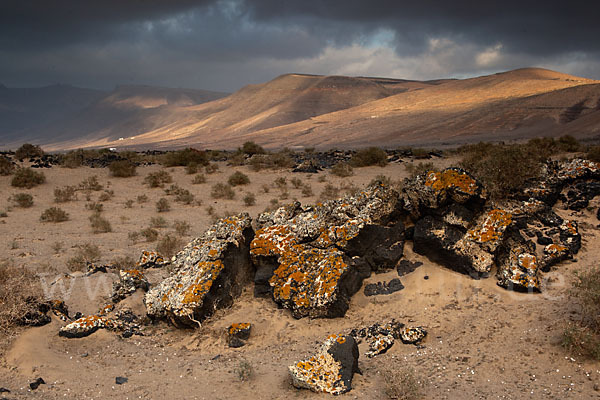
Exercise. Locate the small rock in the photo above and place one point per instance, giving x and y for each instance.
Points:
(406, 266)
(544, 241)
(238, 334)
(119, 380)
(372, 289)
(35, 384)
(4, 390)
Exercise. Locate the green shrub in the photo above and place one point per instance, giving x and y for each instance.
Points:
(68, 193)
(23, 200)
(169, 245)
(54, 214)
(199, 179)
(27, 178)
(122, 168)
(222, 191)
(238, 178)
(342, 169)
(252, 148)
(158, 178)
(185, 157)
(162, 205)
(503, 169)
(91, 184)
(99, 224)
(6, 166)
(369, 156)
(84, 254)
(249, 199)
(28, 150)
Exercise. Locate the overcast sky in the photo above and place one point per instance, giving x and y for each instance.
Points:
(226, 44)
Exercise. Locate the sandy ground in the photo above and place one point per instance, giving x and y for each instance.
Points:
(484, 342)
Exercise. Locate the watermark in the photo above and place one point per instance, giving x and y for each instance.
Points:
(65, 286)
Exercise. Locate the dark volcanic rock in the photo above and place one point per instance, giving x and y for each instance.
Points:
(518, 266)
(406, 267)
(129, 281)
(35, 384)
(372, 289)
(208, 274)
(331, 370)
(237, 334)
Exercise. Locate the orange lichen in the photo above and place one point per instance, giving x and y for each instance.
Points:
(492, 228)
(451, 179)
(238, 327)
(194, 294)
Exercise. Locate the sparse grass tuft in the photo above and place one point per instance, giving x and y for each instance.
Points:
(149, 234)
(63, 195)
(54, 214)
(244, 371)
(401, 384)
(27, 178)
(84, 253)
(181, 227)
(342, 169)
(199, 179)
(142, 198)
(158, 222)
(330, 192)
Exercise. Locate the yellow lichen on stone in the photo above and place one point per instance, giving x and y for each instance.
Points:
(449, 179)
(495, 223)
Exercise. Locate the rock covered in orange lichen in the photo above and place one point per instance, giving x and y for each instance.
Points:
(151, 259)
(208, 273)
(553, 254)
(518, 265)
(238, 333)
(122, 321)
(84, 326)
(129, 281)
(307, 258)
(330, 370)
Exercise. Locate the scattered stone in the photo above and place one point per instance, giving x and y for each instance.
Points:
(554, 254)
(238, 334)
(543, 240)
(151, 259)
(208, 274)
(4, 390)
(119, 380)
(426, 277)
(129, 281)
(406, 266)
(123, 321)
(379, 337)
(83, 326)
(330, 370)
(35, 384)
(92, 268)
(372, 289)
(412, 335)
(518, 266)
(38, 311)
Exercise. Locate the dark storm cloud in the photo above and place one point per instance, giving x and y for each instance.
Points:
(223, 44)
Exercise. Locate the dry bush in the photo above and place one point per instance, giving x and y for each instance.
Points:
(184, 196)
(330, 192)
(158, 222)
(27, 178)
(547, 146)
(123, 262)
(19, 295)
(142, 198)
(128, 203)
(173, 190)
(199, 179)
(106, 195)
(307, 190)
(162, 205)
(244, 371)
(68, 193)
(158, 179)
(133, 237)
(581, 341)
(23, 200)
(149, 234)
(280, 183)
(238, 178)
(322, 179)
(296, 183)
(279, 160)
(369, 156)
(99, 224)
(28, 150)
(184, 157)
(222, 191)
(94, 206)
(6, 166)
(54, 214)
(593, 153)
(84, 253)
(57, 247)
(401, 384)
(91, 184)
(252, 148)
(122, 168)
(249, 199)
(73, 159)
(211, 168)
(181, 227)
(191, 168)
(342, 169)
(169, 245)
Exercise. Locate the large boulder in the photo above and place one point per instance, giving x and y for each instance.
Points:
(311, 260)
(330, 370)
(208, 274)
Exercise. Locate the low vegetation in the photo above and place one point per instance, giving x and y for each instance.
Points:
(342, 169)
(420, 168)
(28, 150)
(279, 160)
(99, 224)
(84, 253)
(54, 214)
(65, 194)
(238, 178)
(122, 168)
(401, 384)
(158, 179)
(182, 158)
(222, 191)
(23, 200)
(199, 179)
(252, 148)
(249, 199)
(368, 157)
(27, 178)
(162, 205)
(90, 184)
(169, 245)
(6, 166)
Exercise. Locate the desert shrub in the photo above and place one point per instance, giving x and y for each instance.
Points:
(6, 166)
(184, 157)
(128, 203)
(581, 340)
(593, 153)
(73, 159)
(329, 192)
(279, 160)
(502, 169)
(158, 222)
(296, 182)
(211, 168)
(173, 190)
(158, 178)
(84, 254)
(94, 206)
(123, 262)
(91, 184)
(162, 205)
(252, 148)
(369, 156)
(142, 198)
(19, 295)
(222, 191)
(236, 159)
(57, 247)
(27, 178)
(381, 179)
(238, 178)
(54, 214)
(249, 199)
(169, 245)
(28, 150)
(133, 236)
(23, 200)
(184, 196)
(181, 227)
(149, 234)
(401, 383)
(122, 168)
(63, 195)
(244, 371)
(191, 168)
(280, 182)
(106, 195)
(307, 190)
(418, 169)
(199, 179)
(99, 224)
(322, 179)
(342, 169)
(420, 153)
